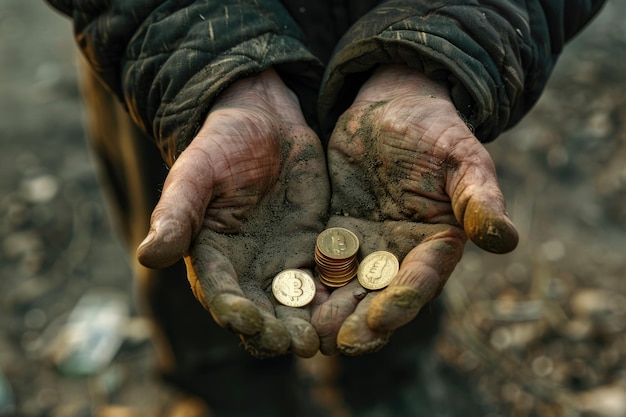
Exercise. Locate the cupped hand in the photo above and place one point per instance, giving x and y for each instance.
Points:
(408, 176)
(244, 201)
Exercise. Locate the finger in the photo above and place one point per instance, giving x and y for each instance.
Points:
(272, 340)
(285, 328)
(355, 337)
(214, 283)
(180, 210)
(328, 317)
(422, 275)
(304, 341)
(486, 223)
(477, 201)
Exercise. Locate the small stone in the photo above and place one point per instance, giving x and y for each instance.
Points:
(605, 401)
(577, 329)
(516, 273)
(590, 302)
(553, 250)
(40, 189)
(542, 366)
(517, 336)
(35, 318)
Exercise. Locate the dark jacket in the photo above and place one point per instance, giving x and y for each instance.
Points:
(166, 60)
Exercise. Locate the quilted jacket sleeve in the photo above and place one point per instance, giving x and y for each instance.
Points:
(166, 60)
(495, 55)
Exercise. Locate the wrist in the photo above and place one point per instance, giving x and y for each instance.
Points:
(265, 90)
(392, 81)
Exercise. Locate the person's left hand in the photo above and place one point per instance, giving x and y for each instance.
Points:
(408, 176)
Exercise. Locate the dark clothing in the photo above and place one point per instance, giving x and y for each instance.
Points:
(167, 60)
(163, 62)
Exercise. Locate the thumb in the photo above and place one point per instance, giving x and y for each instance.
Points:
(477, 200)
(178, 215)
(486, 223)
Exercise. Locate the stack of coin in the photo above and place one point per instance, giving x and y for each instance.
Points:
(377, 270)
(335, 255)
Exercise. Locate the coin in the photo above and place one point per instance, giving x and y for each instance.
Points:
(330, 283)
(377, 270)
(293, 287)
(337, 243)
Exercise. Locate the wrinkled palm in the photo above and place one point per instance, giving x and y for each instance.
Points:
(408, 177)
(252, 192)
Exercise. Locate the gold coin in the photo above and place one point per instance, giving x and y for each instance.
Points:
(293, 288)
(339, 282)
(337, 243)
(339, 270)
(377, 270)
(332, 284)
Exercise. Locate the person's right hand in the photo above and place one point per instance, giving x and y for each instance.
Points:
(244, 201)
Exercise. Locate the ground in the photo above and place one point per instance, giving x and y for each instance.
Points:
(540, 331)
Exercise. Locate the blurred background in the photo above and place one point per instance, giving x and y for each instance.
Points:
(540, 331)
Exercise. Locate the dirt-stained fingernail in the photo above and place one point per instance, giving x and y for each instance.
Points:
(355, 338)
(145, 253)
(273, 340)
(395, 307)
(304, 339)
(491, 230)
(148, 239)
(237, 314)
(359, 293)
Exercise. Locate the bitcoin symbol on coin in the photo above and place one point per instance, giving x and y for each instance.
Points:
(293, 287)
(338, 244)
(377, 270)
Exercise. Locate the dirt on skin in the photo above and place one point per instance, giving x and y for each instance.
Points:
(540, 331)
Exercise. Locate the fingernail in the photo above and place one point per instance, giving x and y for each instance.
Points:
(151, 236)
(359, 293)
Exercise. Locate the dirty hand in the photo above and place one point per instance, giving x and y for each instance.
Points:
(408, 176)
(245, 200)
